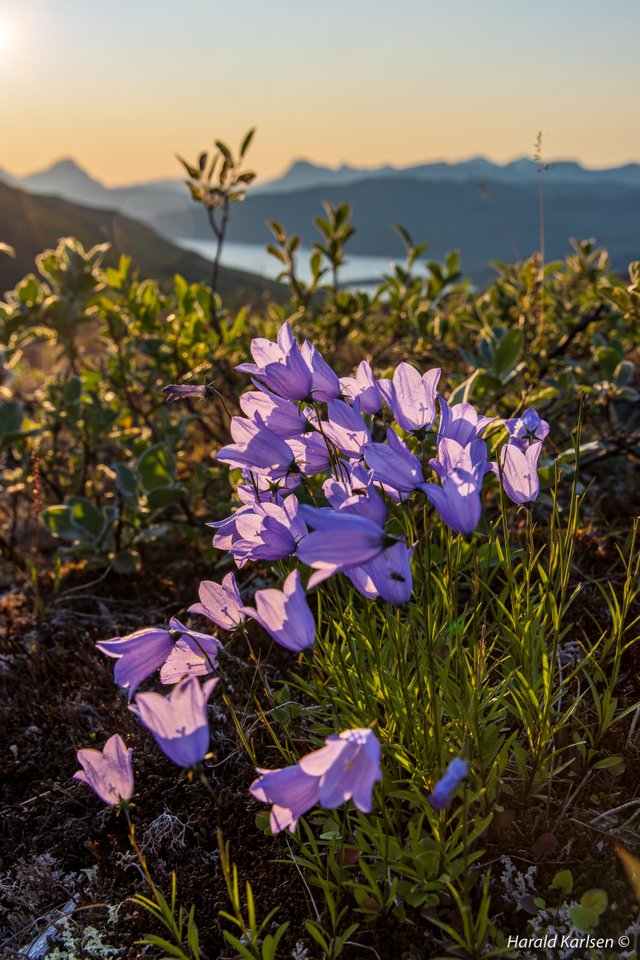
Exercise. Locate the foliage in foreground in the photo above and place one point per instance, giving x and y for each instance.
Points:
(491, 657)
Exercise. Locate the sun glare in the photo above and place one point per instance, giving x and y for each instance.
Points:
(5, 37)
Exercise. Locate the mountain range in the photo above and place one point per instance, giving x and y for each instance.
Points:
(31, 224)
(487, 210)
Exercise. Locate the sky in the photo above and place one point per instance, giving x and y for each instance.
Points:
(124, 85)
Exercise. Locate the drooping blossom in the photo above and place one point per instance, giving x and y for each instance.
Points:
(311, 454)
(364, 387)
(291, 791)
(283, 417)
(443, 789)
(354, 491)
(285, 614)
(193, 655)
(280, 366)
(526, 429)
(109, 773)
(520, 471)
(453, 455)
(325, 385)
(458, 499)
(269, 531)
(393, 464)
(258, 449)
(181, 391)
(220, 602)
(411, 397)
(346, 428)
(346, 768)
(389, 573)
(339, 540)
(138, 655)
(461, 422)
(258, 488)
(226, 530)
(178, 721)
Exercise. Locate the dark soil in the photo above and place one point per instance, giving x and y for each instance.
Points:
(62, 850)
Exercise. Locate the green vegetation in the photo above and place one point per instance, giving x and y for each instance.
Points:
(516, 649)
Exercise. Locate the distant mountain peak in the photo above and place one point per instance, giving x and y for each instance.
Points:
(64, 169)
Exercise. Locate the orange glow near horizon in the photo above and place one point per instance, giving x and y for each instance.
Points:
(122, 90)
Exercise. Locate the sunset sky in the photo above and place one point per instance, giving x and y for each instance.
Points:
(123, 85)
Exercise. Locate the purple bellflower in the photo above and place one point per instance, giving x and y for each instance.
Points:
(441, 795)
(256, 488)
(520, 471)
(257, 448)
(285, 614)
(109, 774)
(356, 493)
(452, 455)
(190, 658)
(193, 655)
(138, 655)
(339, 540)
(270, 531)
(181, 391)
(311, 454)
(526, 429)
(346, 768)
(325, 385)
(461, 423)
(283, 417)
(346, 428)
(411, 397)
(280, 366)
(227, 530)
(291, 791)
(178, 721)
(458, 499)
(390, 574)
(393, 464)
(220, 602)
(364, 386)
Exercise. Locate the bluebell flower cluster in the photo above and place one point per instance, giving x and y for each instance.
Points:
(362, 444)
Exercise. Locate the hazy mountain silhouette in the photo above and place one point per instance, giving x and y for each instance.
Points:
(492, 221)
(487, 210)
(303, 174)
(32, 223)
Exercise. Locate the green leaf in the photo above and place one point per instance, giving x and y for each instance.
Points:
(583, 918)
(164, 496)
(72, 391)
(10, 417)
(563, 880)
(58, 520)
(596, 900)
(127, 481)
(606, 762)
(169, 948)
(157, 467)
(507, 352)
(85, 515)
(192, 934)
(313, 930)
(247, 141)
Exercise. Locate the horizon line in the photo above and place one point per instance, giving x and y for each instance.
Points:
(333, 168)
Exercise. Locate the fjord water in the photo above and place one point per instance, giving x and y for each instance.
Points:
(358, 271)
